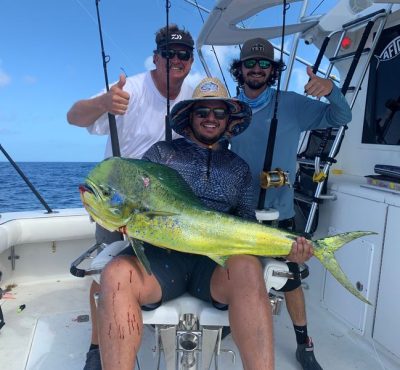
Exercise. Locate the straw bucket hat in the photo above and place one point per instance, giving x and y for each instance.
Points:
(211, 89)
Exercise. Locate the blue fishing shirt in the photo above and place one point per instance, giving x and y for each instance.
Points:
(296, 113)
(219, 178)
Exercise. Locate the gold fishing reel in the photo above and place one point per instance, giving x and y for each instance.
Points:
(274, 179)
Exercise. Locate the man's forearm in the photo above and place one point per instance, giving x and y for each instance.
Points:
(85, 112)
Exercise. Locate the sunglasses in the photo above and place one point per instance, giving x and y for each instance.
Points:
(263, 63)
(181, 54)
(204, 112)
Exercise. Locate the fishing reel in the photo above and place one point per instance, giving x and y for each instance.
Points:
(274, 179)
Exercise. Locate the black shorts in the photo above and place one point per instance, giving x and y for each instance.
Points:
(178, 273)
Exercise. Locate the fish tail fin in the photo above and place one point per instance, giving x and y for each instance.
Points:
(324, 250)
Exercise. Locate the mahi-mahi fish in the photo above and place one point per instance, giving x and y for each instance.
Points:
(152, 203)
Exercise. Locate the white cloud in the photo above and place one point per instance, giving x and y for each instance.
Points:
(223, 57)
(299, 79)
(148, 63)
(6, 131)
(5, 79)
(30, 80)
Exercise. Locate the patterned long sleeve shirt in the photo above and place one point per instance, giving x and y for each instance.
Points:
(219, 178)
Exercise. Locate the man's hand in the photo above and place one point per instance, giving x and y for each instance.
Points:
(116, 100)
(301, 251)
(317, 86)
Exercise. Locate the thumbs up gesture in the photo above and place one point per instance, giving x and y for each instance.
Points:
(116, 100)
(317, 86)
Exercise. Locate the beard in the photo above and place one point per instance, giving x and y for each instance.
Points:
(255, 85)
(206, 140)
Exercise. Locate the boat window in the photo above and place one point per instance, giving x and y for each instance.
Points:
(382, 111)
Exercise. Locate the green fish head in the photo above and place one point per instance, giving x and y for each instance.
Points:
(108, 194)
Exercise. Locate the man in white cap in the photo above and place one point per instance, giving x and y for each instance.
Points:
(222, 181)
(256, 72)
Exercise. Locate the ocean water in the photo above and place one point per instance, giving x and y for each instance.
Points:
(57, 183)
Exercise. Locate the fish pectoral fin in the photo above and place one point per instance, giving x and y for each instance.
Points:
(137, 246)
(221, 260)
(152, 214)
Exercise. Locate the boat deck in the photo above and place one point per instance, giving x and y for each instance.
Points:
(53, 331)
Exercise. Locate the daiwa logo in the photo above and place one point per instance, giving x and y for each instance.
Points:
(176, 36)
(391, 50)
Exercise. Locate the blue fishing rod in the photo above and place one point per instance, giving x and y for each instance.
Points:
(111, 117)
(34, 191)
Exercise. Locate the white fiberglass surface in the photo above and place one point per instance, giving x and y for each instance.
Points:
(52, 332)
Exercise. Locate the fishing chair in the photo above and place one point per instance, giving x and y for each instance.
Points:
(189, 331)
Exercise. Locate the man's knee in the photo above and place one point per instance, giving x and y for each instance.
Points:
(246, 270)
(122, 269)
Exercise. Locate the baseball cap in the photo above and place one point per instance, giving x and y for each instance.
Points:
(257, 48)
(175, 37)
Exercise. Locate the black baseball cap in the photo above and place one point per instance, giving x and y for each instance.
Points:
(175, 37)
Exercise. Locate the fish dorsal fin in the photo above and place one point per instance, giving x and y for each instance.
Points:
(172, 181)
(137, 246)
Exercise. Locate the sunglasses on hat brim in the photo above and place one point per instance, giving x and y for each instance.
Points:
(263, 63)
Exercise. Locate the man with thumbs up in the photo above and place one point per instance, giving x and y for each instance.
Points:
(140, 102)
(140, 105)
(256, 71)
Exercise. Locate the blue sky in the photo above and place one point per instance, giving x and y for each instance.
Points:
(50, 57)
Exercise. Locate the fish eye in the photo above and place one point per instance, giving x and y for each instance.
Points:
(105, 191)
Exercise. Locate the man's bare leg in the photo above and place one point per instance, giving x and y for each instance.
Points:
(241, 285)
(296, 306)
(125, 287)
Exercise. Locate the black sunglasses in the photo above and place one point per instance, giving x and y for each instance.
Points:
(251, 63)
(204, 112)
(181, 54)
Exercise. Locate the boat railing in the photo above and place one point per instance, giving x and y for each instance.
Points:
(321, 170)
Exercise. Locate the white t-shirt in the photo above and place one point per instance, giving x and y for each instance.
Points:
(144, 122)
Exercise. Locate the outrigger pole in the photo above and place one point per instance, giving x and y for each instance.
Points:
(111, 118)
(280, 177)
(34, 191)
(168, 130)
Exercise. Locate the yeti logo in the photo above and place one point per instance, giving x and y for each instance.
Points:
(391, 50)
(257, 47)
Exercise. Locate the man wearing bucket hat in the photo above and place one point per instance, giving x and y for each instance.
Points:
(256, 72)
(222, 181)
(140, 105)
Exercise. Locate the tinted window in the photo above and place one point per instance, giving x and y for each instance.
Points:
(382, 111)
